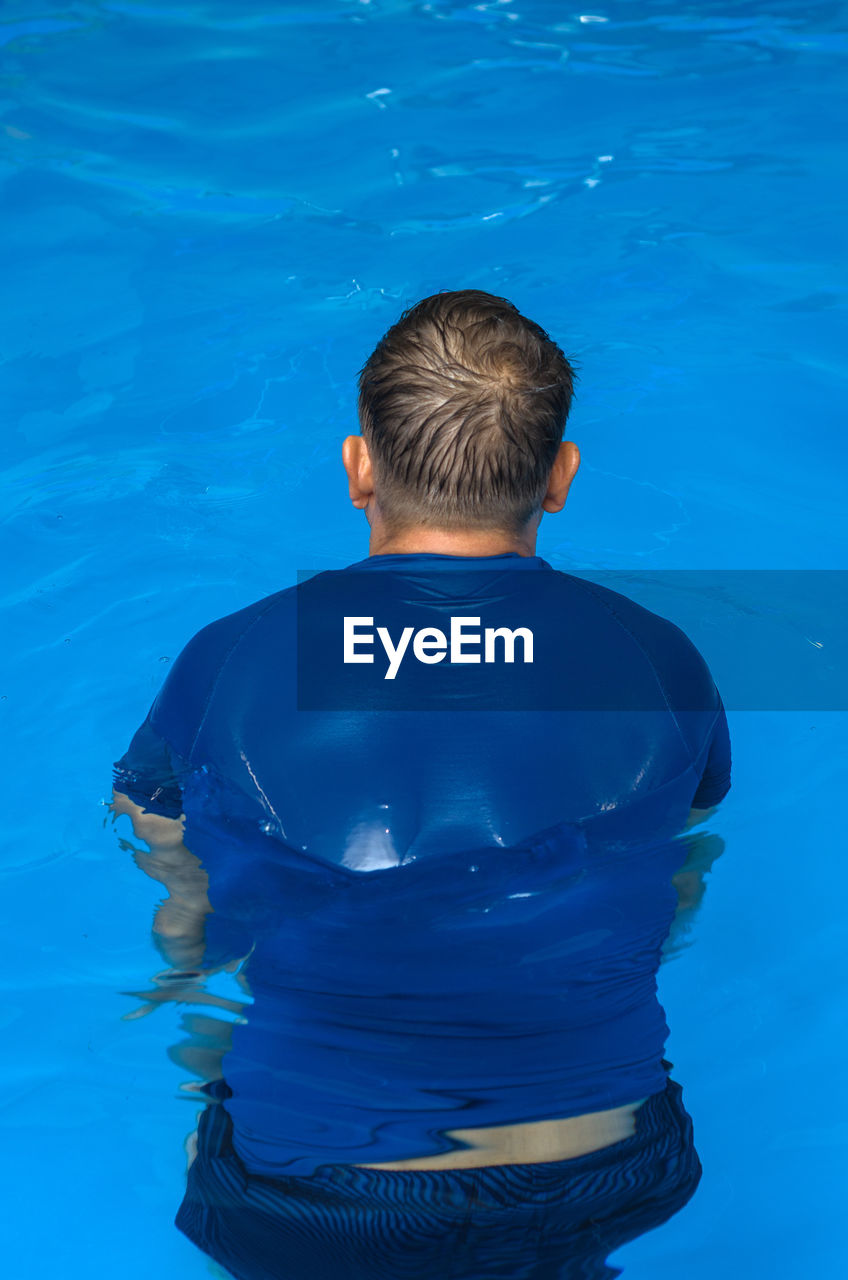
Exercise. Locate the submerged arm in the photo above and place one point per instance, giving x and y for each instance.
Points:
(703, 850)
(178, 925)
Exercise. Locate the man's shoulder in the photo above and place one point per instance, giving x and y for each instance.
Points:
(678, 663)
(623, 609)
(269, 620)
(208, 649)
(230, 627)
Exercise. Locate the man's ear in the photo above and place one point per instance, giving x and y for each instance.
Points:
(562, 473)
(357, 465)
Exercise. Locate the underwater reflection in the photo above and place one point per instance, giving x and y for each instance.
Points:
(422, 1084)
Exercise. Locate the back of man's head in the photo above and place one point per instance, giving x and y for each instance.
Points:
(463, 405)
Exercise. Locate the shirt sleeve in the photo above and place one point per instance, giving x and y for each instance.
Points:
(148, 773)
(151, 768)
(688, 688)
(715, 779)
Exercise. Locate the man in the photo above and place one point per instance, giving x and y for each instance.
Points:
(435, 798)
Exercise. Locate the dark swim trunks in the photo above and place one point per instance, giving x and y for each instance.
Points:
(558, 1220)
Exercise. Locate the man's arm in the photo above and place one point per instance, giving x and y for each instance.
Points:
(697, 816)
(178, 926)
(702, 851)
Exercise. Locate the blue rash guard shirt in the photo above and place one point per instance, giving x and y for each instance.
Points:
(449, 856)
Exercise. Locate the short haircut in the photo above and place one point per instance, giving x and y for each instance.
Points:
(463, 405)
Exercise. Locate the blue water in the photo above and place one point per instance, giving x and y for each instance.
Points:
(211, 213)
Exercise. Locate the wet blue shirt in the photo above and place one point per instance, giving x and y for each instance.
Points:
(438, 800)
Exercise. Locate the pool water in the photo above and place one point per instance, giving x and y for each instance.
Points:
(212, 212)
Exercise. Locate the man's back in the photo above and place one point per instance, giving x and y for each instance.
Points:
(580, 704)
(500, 834)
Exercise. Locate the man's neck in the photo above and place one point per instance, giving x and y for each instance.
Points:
(450, 542)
